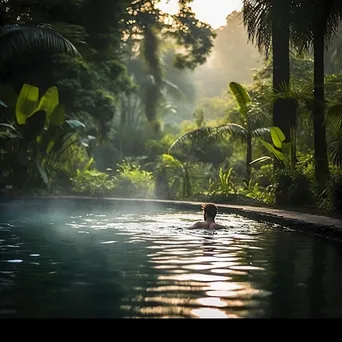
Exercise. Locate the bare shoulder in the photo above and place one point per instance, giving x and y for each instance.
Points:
(198, 225)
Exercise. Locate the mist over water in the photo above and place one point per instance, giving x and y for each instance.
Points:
(78, 258)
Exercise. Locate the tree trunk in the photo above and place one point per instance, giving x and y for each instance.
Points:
(248, 157)
(281, 63)
(320, 144)
(283, 111)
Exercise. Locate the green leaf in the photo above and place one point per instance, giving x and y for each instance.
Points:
(49, 101)
(58, 115)
(87, 166)
(75, 123)
(7, 126)
(42, 172)
(19, 40)
(334, 117)
(260, 132)
(27, 103)
(194, 136)
(260, 160)
(85, 141)
(335, 150)
(241, 96)
(50, 146)
(167, 158)
(287, 147)
(232, 129)
(279, 155)
(277, 136)
(210, 135)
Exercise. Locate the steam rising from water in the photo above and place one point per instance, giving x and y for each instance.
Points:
(94, 259)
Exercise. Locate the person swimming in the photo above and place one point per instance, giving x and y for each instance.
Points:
(209, 214)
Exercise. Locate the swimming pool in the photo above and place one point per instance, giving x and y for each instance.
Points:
(71, 258)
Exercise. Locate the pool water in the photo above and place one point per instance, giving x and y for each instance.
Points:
(106, 259)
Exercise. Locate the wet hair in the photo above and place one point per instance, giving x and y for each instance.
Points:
(209, 209)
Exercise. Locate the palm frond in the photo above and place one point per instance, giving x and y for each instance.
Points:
(257, 18)
(335, 150)
(257, 119)
(74, 33)
(334, 117)
(309, 15)
(230, 129)
(330, 13)
(16, 40)
(260, 132)
(210, 135)
(295, 91)
(198, 135)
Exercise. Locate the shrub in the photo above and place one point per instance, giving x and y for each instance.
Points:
(300, 192)
(132, 181)
(333, 198)
(93, 183)
(73, 158)
(282, 183)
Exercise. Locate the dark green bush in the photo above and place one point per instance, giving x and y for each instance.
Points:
(93, 183)
(300, 193)
(335, 192)
(282, 183)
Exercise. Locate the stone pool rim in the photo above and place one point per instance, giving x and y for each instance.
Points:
(323, 226)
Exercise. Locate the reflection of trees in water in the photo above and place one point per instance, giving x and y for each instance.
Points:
(334, 286)
(80, 277)
(325, 283)
(283, 304)
(316, 288)
(300, 276)
(303, 274)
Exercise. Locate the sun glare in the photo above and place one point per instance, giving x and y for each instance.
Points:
(213, 12)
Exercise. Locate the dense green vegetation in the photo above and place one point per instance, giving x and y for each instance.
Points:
(107, 98)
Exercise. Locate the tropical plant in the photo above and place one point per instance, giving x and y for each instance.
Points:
(18, 39)
(41, 131)
(224, 184)
(334, 120)
(315, 24)
(92, 182)
(132, 181)
(252, 125)
(280, 149)
(172, 178)
(268, 26)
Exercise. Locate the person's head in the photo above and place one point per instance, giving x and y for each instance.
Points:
(209, 210)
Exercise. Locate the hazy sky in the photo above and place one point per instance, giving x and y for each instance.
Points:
(214, 12)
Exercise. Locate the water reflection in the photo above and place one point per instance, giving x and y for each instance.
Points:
(100, 260)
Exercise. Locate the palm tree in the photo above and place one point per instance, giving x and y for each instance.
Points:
(17, 40)
(268, 25)
(316, 22)
(334, 121)
(252, 125)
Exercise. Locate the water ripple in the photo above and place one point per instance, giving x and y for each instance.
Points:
(107, 261)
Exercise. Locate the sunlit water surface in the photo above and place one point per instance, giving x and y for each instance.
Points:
(82, 258)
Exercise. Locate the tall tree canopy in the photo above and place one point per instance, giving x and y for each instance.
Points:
(105, 31)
